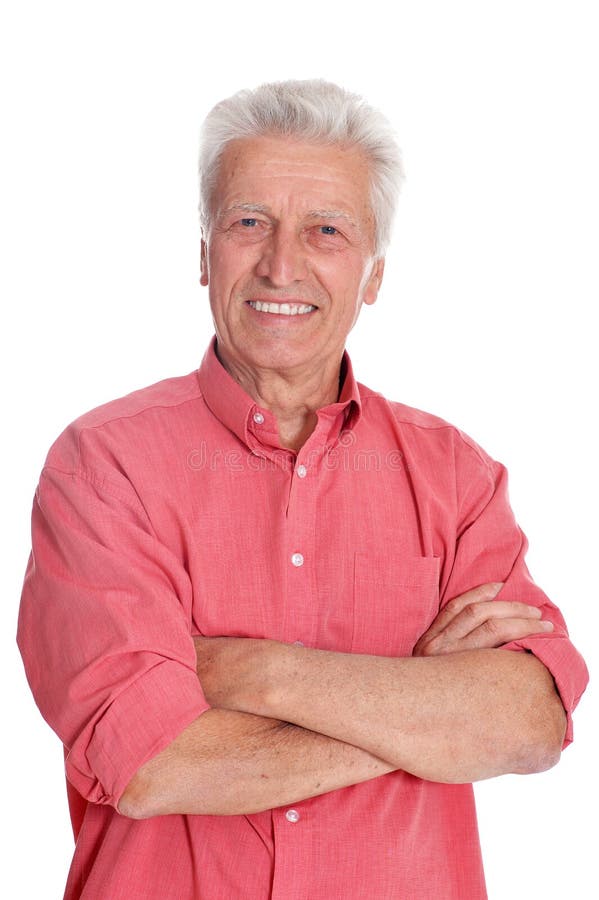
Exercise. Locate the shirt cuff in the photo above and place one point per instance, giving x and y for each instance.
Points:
(137, 725)
(566, 665)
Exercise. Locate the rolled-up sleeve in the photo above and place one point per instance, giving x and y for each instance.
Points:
(104, 630)
(490, 547)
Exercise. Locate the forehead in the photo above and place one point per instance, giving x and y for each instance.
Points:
(279, 170)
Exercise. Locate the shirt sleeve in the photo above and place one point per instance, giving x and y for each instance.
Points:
(490, 547)
(105, 631)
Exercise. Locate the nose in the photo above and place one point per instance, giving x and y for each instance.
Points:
(283, 258)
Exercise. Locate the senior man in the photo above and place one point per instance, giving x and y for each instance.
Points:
(267, 610)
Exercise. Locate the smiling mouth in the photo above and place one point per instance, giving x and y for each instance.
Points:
(282, 309)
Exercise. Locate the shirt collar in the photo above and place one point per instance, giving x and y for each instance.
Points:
(238, 412)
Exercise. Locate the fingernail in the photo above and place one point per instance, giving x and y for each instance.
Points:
(547, 626)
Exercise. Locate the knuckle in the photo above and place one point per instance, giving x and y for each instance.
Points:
(493, 628)
(453, 605)
(456, 604)
(471, 613)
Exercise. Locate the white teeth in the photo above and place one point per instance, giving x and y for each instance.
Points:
(282, 309)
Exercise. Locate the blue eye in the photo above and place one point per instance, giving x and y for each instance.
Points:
(328, 229)
(249, 223)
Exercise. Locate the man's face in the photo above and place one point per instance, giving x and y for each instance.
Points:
(289, 255)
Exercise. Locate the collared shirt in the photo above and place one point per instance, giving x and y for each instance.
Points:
(175, 511)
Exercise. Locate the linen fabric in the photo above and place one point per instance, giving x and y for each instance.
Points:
(175, 511)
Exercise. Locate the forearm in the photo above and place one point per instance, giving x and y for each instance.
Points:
(228, 763)
(455, 718)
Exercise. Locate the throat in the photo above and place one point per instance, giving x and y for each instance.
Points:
(295, 431)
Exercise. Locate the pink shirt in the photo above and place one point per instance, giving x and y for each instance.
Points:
(174, 511)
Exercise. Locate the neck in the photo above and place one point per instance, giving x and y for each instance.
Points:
(293, 397)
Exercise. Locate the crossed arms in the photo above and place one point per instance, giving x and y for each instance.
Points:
(288, 723)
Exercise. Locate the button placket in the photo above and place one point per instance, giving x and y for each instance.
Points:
(297, 558)
(302, 552)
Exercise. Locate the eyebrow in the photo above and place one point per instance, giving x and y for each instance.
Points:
(332, 214)
(312, 214)
(246, 207)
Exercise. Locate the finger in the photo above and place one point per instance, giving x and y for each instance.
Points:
(473, 616)
(476, 614)
(492, 633)
(480, 594)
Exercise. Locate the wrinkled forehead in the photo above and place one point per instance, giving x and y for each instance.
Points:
(271, 170)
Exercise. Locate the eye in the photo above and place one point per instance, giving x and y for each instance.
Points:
(249, 223)
(328, 229)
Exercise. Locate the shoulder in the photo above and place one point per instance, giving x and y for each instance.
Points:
(126, 420)
(166, 394)
(441, 459)
(422, 429)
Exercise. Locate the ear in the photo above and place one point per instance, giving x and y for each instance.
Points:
(374, 282)
(203, 264)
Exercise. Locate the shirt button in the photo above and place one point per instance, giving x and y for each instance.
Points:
(297, 559)
(301, 471)
(292, 816)
(258, 418)
(298, 643)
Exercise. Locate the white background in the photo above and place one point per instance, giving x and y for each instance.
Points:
(486, 316)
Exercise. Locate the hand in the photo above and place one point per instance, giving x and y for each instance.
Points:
(476, 621)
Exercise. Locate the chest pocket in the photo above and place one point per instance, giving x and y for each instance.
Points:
(395, 601)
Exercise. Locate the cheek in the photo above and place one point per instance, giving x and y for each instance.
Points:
(230, 264)
(222, 278)
(344, 281)
(220, 261)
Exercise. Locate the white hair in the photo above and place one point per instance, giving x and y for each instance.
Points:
(316, 111)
